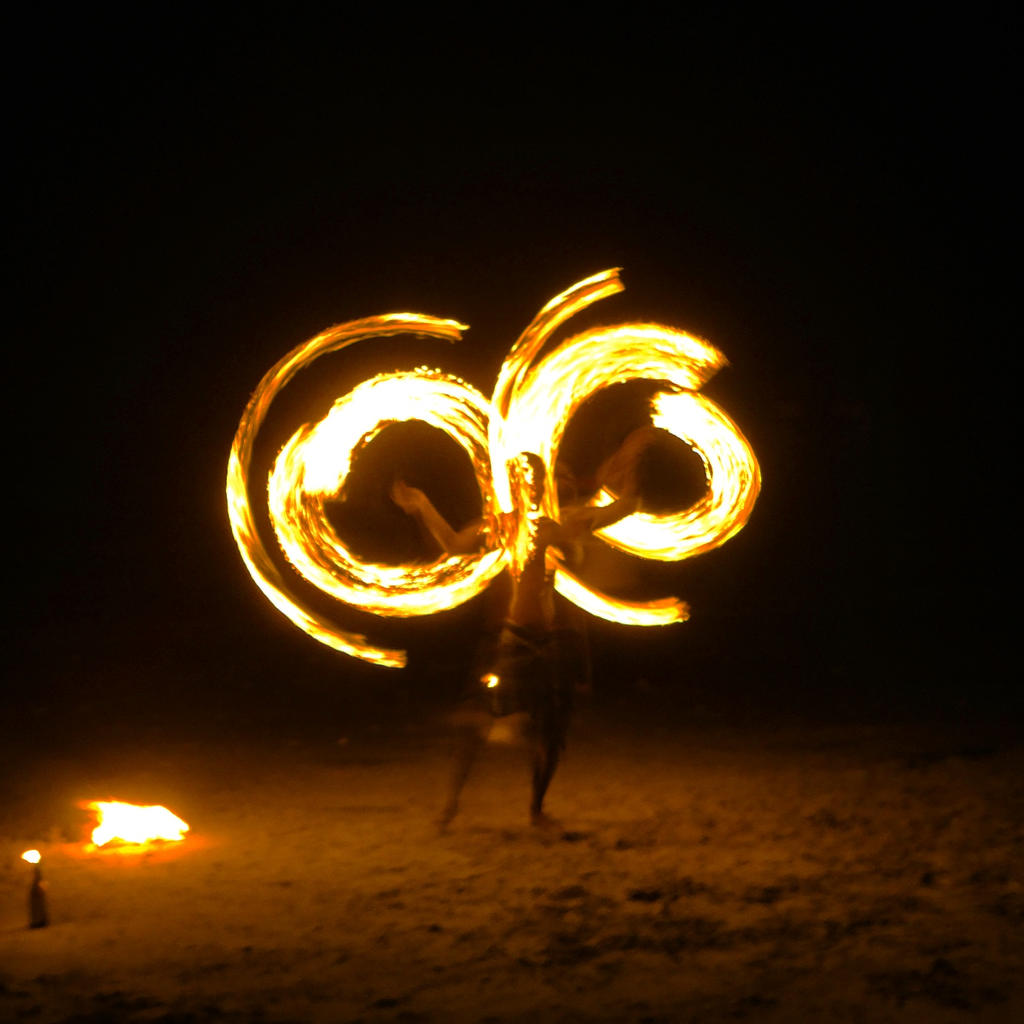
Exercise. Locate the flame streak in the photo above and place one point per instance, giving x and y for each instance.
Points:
(532, 403)
(732, 475)
(659, 612)
(504, 444)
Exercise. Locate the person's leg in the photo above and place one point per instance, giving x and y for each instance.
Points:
(552, 707)
(472, 727)
(545, 761)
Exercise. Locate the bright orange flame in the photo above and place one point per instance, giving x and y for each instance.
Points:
(314, 465)
(540, 400)
(130, 823)
(533, 400)
(32, 856)
(243, 524)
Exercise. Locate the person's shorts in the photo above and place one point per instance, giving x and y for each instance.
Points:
(527, 675)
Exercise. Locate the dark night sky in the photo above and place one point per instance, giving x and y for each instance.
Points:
(827, 202)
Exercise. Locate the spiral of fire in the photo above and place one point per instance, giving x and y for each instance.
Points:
(533, 400)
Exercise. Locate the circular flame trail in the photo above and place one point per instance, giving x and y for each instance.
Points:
(540, 399)
(243, 525)
(314, 464)
(533, 400)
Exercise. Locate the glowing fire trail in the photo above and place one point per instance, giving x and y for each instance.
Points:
(315, 462)
(533, 401)
(243, 526)
(541, 399)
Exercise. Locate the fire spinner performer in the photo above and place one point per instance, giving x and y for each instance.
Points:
(523, 527)
(530, 680)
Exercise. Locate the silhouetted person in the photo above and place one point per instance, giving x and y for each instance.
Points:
(530, 679)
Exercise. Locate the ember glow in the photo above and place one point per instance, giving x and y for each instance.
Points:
(130, 823)
(32, 856)
(534, 398)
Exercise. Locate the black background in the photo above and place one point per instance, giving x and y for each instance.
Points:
(826, 200)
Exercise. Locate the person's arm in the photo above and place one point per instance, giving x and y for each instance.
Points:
(619, 475)
(579, 521)
(415, 503)
(605, 515)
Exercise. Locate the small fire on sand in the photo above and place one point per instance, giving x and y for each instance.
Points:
(130, 824)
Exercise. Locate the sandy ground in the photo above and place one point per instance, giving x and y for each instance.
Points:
(700, 873)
